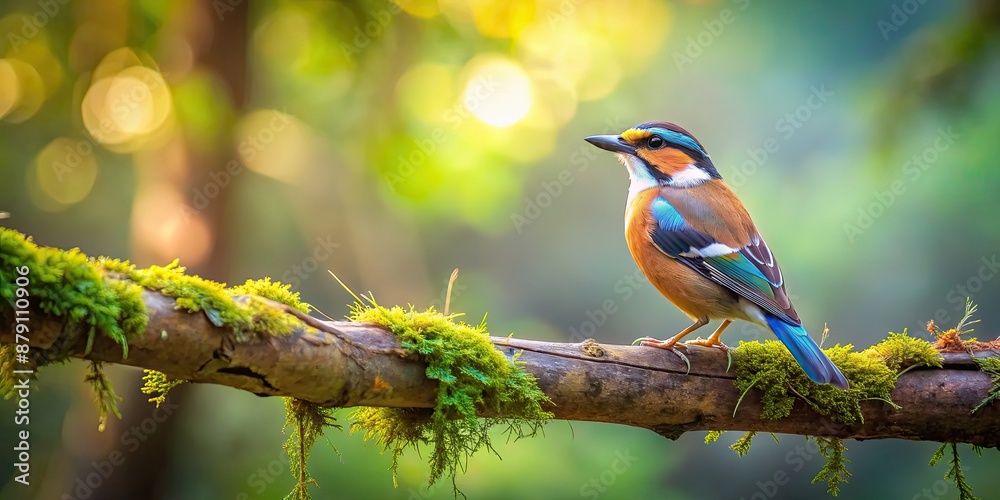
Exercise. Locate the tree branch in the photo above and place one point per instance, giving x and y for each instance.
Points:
(348, 364)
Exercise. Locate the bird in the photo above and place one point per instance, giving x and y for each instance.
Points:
(695, 242)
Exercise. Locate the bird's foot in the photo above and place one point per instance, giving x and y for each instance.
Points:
(666, 345)
(714, 342)
(709, 342)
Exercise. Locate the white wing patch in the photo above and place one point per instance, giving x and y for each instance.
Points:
(713, 250)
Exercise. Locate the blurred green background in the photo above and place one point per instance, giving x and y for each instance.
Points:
(391, 142)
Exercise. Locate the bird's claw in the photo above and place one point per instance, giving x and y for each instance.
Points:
(716, 344)
(708, 343)
(669, 346)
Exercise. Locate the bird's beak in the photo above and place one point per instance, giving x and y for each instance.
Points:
(613, 143)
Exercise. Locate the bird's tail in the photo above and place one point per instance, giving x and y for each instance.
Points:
(811, 358)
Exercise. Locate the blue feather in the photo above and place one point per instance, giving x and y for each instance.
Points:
(810, 357)
(738, 267)
(678, 139)
(666, 215)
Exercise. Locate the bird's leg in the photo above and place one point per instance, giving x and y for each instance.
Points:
(713, 340)
(669, 343)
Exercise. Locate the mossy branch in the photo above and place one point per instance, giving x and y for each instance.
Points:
(345, 364)
(259, 338)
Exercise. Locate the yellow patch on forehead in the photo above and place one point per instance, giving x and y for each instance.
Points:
(635, 134)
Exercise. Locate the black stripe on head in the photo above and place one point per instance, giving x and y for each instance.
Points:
(677, 137)
(681, 139)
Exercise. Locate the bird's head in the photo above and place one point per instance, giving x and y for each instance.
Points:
(659, 154)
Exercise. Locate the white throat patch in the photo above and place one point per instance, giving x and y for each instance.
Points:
(689, 177)
(640, 179)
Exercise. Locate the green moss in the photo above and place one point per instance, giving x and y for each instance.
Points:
(770, 368)
(307, 421)
(834, 471)
(246, 319)
(713, 436)
(158, 385)
(65, 283)
(106, 400)
(991, 366)
(473, 378)
(104, 297)
(955, 473)
(272, 290)
(900, 350)
(742, 445)
(872, 373)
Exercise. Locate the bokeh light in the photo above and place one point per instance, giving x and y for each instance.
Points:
(40, 57)
(498, 91)
(502, 18)
(275, 144)
(165, 225)
(10, 88)
(63, 173)
(31, 94)
(129, 105)
(428, 91)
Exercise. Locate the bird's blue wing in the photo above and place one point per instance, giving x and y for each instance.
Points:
(750, 271)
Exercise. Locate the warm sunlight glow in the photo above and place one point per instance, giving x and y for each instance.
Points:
(498, 92)
(124, 110)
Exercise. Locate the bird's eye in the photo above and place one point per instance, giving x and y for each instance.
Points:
(655, 142)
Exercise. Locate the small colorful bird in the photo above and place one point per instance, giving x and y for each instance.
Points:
(694, 241)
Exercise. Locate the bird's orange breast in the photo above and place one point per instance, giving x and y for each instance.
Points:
(692, 293)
